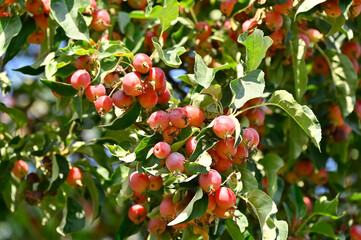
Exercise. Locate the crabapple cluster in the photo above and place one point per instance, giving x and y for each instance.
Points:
(337, 127)
(305, 170)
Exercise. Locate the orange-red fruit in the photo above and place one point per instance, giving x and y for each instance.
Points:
(111, 77)
(93, 92)
(314, 35)
(248, 138)
(256, 117)
(320, 65)
(41, 21)
(148, 99)
(204, 30)
(142, 63)
(155, 182)
(211, 181)
(225, 149)
(74, 177)
(241, 154)
(162, 150)
(36, 37)
(179, 118)
(156, 79)
(308, 203)
(121, 100)
(223, 164)
(285, 8)
(164, 97)
(167, 208)
(159, 121)
(20, 169)
(352, 50)
(355, 232)
(170, 134)
(138, 183)
(274, 20)
(223, 213)
(304, 168)
(355, 9)
(132, 84)
(331, 8)
(101, 20)
(211, 202)
(157, 225)
(139, 198)
(137, 214)
(334, 114)
(84, 62)
(223, 126)
(225, 198)
(227, 7)
(320, 178)
(137, 4)
(80, 79)
(196, 115)
(175, 162)
(191, 145)
(249, 24)
(46, 6)
(255, 135)
(35, 6)
(103, 104)
(277, 37)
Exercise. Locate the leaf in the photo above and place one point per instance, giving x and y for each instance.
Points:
(125, 120)
(113, 48)
(323, 228)
(123, 20)
(107, 65)
(202, 165)
(249, 181)
(117, 151)
(194, 210)
(61, 88)
(166, 13)
(126, 227)
(297, 140)
(308, 5)
(272, 163)
(66, 14)
(74, 218)
(336, 23)
(96, 192)
(345, 80)
(248, 87)
(59, 172)
(182, 137)
(237, 134)
(9, 27)
(296, 198)
(327, 208)
(203, 75)
(237, 228)
(282, 227)
(256, 47)
(302, 114)
(16, 115)
(170, 56)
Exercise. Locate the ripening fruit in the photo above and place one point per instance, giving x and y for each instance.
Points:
(36, 37)
(314, 35)
(20, 169)
(162, 150)
(157, 225)
(101, 20)
(241, 155)
(137, 4)
(358, 109)
(305, 39)
(225, 198)
(80, 79)
(223, 213)
(355, 232)
(223, 164)
(334, 115)
(159, 121)
(308, 203)
(121, 100)
(196, 115)
(249, 24)
(320, 178)
(274, 20)
(304, 168)
(191, 145)
(167, 208)
(155, 182)
(170, 134)
(46, 6)
(142, 63)
(93, 4)
(256, 117)
(103, 104)
(148, 99)
(179, 118)
(331, 8)
(132, 84)
(93, 92)
(138, 197)
(285, 8)
(138, 183)
(292, 177)
(175, 162)
(137, 213)
(111, 77)
(352, 50)
(204, 30)
(225, 149)
(210, 182)
(156, 80)
(355, 9)
(320, 65)
(248, 138)
(227, 7)
(211, 202)
(255, 135)
(84, 62)
(35, 7)
(164, 97)
(223, 126)
(74, 177)
(277, 37)
(41, 21)
(355, 65)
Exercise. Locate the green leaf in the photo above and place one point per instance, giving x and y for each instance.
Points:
(248, 87)
(308, 5)
(111, 49)
(117, 151)
(166, 13)
(336, 23)
(272, 163)
(59, 172)
(182, 137)
(202, 165)
(296, 198)
(16, 114)
(256, 47)
(345, 80)
(170, 56)
(323, 228)
(203, 75)
(66, 14)
(237, 228)
(125, 120)
(74, 219)
(61, 88)
(96, 192)
(9, 27)
(297, 140)
(327, 208)
(107, 65)
(123, 20)
(249, 181)
(126, 227)
(195, 208)
(282, 227)
(303, 115)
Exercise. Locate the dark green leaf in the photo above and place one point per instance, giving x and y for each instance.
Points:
(327, 208)
(61, 88)
(16, 114)
(296, 198)
(75, 217)
(323, 228)
(59, 172)
(9, 27)
(249, 181)
(237, 228)
(107, 65)
(166, 13)
(96, 192)
(272, 163)
(182, 137)
(123, 20)
(125, 120)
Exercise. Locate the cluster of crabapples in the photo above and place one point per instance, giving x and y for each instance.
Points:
(304, 170)
(221, 199)
(149, 93)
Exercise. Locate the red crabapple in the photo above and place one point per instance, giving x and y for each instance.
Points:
(277, 37)
(164, 97)
(170, 134)
(227, 6)
(355, 9)
(103, 104)
(256, 117)
(161, 150)
(308, 203)
(41, 21)
(142, 63)
(93, 4)
(225, 198)
(137, 4)
(179, 118)
(35, 7)
(36, 37)
(111, 77)
(80, 80)
(138, 197)
(159, 121)
(355, 232)
(249, 24)
(305, 39)
(241, 154)
(137, 214)
(156, 79)
(121, 100)
(223, 164)
(320, 65)
(132, 84)
(46, 6)
(331, 8)
(285, 8)
(20, 169)
(320, 178)
(335, 115)
(196, 115)
(93, 92)
(225, 149)
(215, 157)
(138, 183)
(74, 177)
(304, 168)
(223, 213)
(167, 208)
(148, 99)
(248, 138)
(191, 145)
(101, 20)
(84, 62)
(175, 162)
(157, 225)
(155, 182)
(314, 35)
(211, 181)
(223, 126)
(211, 203)
(255, 137)
(204, 30)
(274, 20)
(355, 65)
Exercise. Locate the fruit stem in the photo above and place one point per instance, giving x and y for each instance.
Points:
(303, 224)
(115, 87)
(251, 107)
